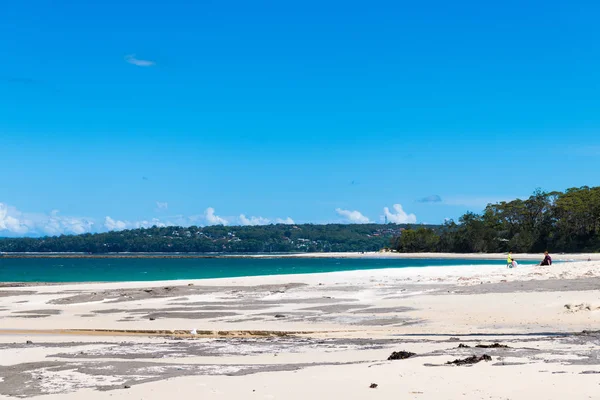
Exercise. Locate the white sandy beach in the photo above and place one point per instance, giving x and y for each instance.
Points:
(477, 256)
(345, 326)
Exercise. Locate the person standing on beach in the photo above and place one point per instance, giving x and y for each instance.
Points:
(509, 260)
(547, 259)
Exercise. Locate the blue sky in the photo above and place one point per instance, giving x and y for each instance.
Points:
(124, 113)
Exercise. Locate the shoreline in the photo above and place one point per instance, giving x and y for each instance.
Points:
(464, 263)
(356, 255)
(488, 273)
(438, 272)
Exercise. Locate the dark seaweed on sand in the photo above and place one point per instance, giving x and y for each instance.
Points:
(470, 360)
(401, 355)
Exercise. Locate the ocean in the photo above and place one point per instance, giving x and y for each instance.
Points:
(151, 269)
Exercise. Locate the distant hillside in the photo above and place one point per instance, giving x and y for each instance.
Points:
(229, 239)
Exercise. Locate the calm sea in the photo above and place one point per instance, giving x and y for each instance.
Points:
(150, 269)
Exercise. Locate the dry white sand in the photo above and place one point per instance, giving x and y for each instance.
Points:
(478, 256)
(384, 305)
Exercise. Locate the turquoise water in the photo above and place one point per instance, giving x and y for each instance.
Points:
(150, 269)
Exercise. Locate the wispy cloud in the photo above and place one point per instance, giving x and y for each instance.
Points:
(132, 59)
(355, 217)
(434, 198)
(476, 202)
(399, 216)
(473, 201)
(162, 205)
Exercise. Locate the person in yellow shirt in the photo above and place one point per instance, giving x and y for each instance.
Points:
(509, 260)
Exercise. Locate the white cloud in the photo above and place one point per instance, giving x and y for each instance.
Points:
(118, 225)
(14, 222)
(243, 220)
(132, 59)
(286, 221)
(56, 224)
(254, 220)
(153, 222)
(162, 205)
(400, 216)
(115, 225)
(355, 217)
(10, 222)
(213, 219)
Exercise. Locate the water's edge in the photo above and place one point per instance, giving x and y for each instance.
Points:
(53, 270)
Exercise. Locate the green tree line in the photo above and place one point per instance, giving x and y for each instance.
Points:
(566, 221)
(217, 239)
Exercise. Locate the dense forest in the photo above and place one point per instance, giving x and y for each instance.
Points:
(557, 221)
(221, 239)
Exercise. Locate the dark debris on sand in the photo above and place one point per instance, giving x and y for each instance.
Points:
(401, 355)
(588, 333)
(484, 346)
(492, 346)
(470, 360)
